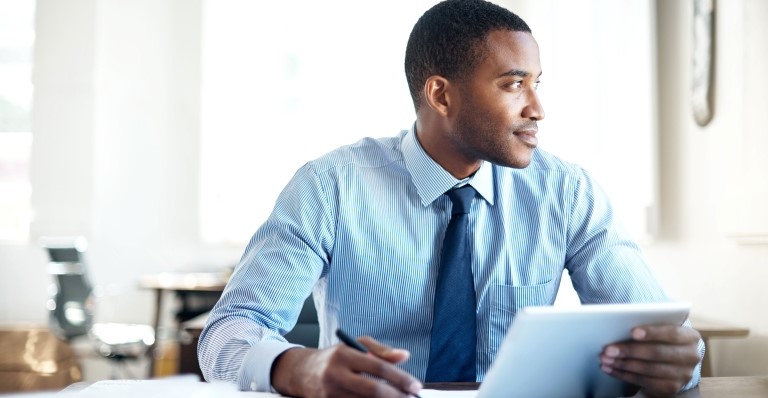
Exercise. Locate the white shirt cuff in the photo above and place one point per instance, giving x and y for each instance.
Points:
(255, 372)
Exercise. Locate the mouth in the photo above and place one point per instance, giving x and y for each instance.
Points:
(528, 136)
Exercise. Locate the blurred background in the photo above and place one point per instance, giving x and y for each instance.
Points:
(162, 131)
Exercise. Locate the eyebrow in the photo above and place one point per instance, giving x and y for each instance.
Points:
(518, 73)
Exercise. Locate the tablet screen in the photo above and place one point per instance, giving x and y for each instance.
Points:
(554, 352)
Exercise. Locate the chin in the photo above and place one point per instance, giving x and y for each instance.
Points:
(518, 160)
(522, 165)
(516, 163)
(516, 157)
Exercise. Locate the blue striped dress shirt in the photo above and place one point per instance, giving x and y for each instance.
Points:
(361, 228)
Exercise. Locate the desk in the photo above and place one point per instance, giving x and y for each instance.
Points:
(709, 330)
(197, 292)
(710, 387)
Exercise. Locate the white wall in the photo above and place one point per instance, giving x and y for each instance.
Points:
(61, 159)
(598, 59)
(116, 144)
(116, 141)
(699, 253)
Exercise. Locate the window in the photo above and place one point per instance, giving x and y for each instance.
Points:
(16, 45)
(281, 87)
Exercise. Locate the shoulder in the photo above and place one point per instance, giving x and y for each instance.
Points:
(547, 179)
(365, 153)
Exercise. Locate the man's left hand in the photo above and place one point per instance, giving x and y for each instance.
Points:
(658, 359)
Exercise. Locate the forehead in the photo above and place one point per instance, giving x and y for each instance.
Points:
(507, 50)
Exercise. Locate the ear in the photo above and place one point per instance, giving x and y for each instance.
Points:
(437, 94)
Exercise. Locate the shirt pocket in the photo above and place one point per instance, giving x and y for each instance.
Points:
(506, 300)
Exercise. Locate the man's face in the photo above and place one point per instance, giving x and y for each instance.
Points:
(498, 105)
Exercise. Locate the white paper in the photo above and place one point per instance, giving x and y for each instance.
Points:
(447, 394)
(175, 387)
(185, 387)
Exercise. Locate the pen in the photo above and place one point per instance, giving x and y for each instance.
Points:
(346, 339)
(349, 341)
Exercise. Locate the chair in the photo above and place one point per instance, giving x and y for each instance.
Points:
(72, 305)
(307, 330)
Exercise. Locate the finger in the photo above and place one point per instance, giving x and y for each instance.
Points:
(669, 334)
(655, 352)
(354, 385)
(394, 355)
(647, 368)
(363, 363)
(655, 385)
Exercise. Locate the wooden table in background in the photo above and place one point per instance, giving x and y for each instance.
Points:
(196, 291)
(710, 330)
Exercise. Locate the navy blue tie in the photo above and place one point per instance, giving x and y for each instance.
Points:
(453, 343)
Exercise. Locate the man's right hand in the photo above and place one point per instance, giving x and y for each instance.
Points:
(339, 371)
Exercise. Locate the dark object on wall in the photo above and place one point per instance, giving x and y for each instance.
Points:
(703, 61)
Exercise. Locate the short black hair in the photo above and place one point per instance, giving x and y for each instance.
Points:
(448, 40)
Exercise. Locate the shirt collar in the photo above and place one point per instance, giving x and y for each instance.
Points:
(431, 180)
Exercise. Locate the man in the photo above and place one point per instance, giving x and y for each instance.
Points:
(363, 229)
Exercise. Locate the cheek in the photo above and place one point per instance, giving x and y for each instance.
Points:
(492, 114)
(500, 116)
(499, 107)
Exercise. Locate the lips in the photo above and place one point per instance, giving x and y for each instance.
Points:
(528, 136)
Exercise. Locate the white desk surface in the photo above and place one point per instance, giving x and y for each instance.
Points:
(183, 387)
(186, 387)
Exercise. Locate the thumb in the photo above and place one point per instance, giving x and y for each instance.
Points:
(385, 352)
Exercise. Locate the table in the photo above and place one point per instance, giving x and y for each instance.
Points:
(728, 387)
(710, 387)
(196, 291)
(709, 330)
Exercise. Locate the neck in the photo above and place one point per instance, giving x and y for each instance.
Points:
(433, 137)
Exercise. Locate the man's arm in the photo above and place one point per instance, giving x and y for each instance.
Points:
(243, 339)
(262, 300)
(608, 267)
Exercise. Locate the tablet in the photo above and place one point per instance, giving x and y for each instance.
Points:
(555, 351)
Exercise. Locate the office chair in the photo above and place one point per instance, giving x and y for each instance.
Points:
(71, 308)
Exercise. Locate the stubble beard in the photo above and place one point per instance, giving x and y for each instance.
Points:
(479, 139)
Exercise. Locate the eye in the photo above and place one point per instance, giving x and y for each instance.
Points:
(536, 84)
(515, 84)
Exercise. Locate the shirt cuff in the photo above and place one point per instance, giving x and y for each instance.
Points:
(255, 372)
(697, 370)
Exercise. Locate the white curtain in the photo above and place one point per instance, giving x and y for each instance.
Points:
(287, 82)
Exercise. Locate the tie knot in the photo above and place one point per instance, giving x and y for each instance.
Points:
(461, 198)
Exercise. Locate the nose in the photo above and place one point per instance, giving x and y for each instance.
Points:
(533, 110)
